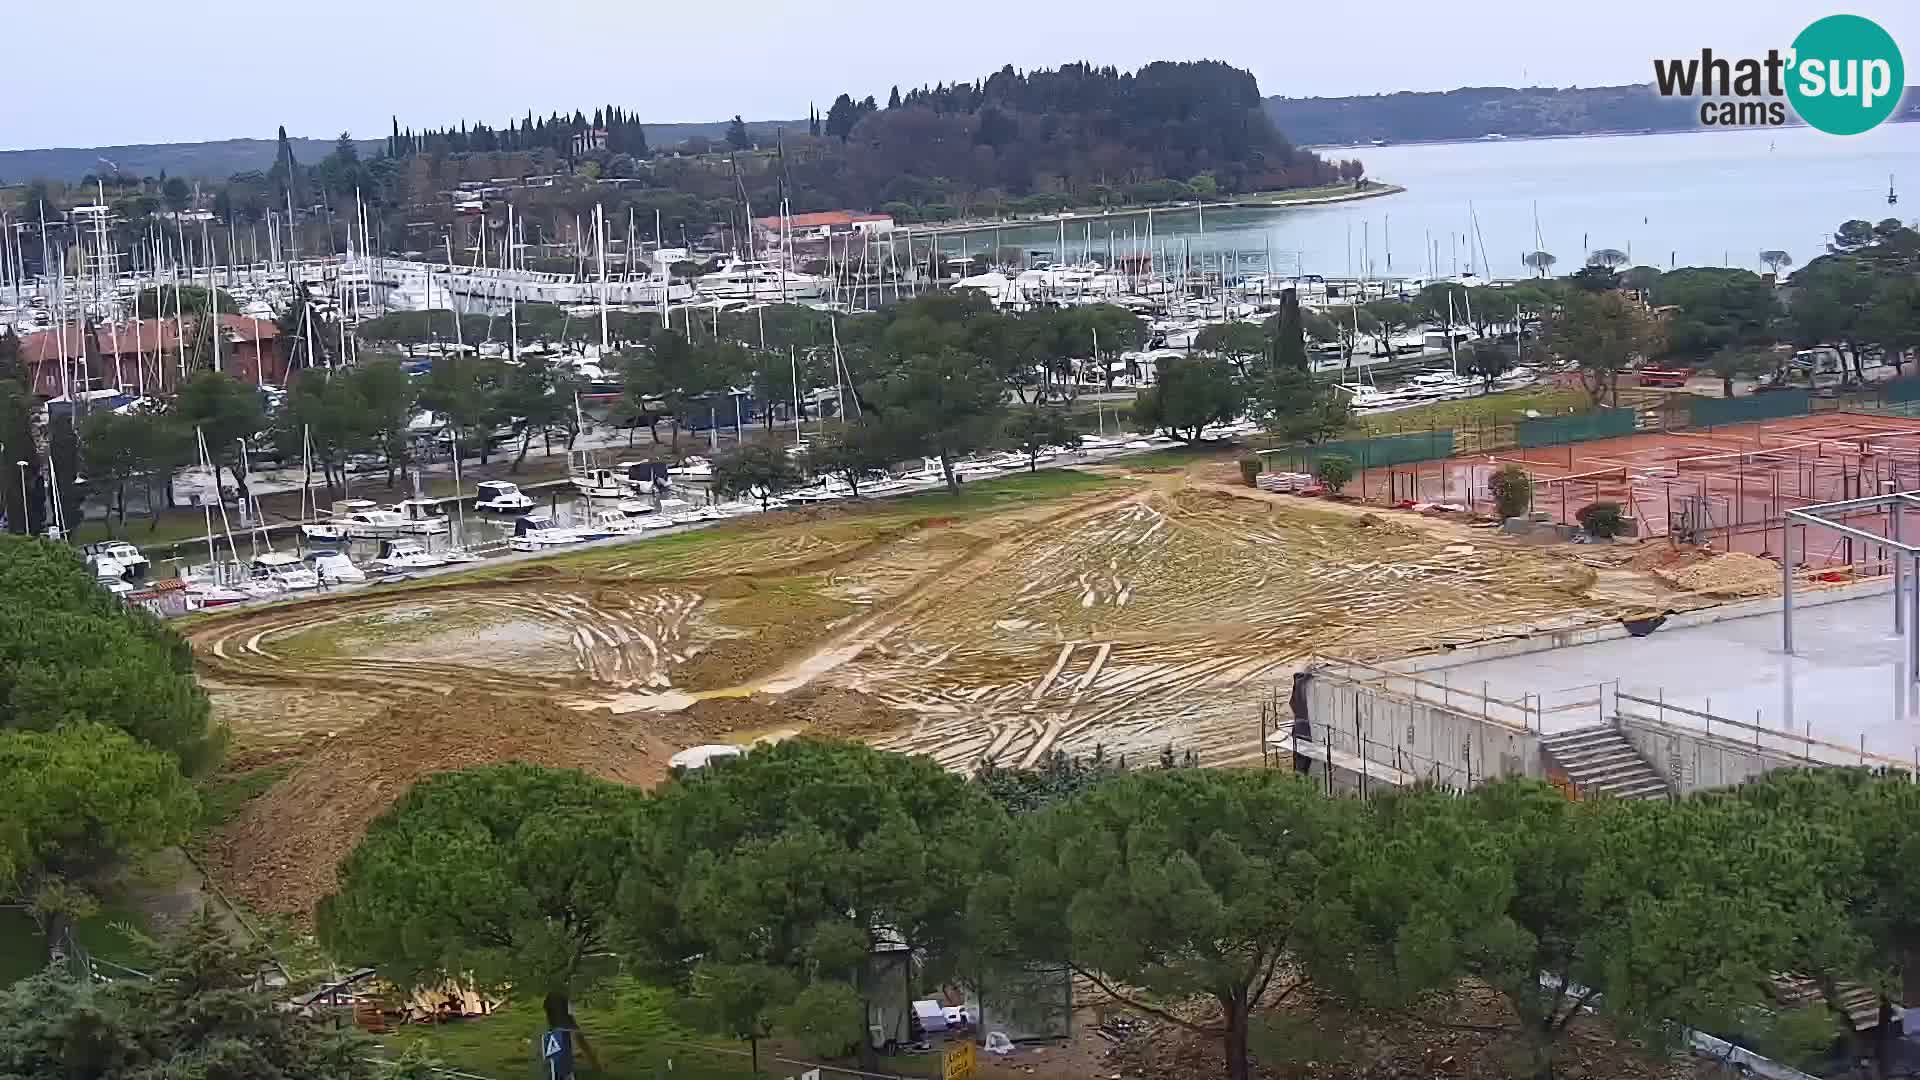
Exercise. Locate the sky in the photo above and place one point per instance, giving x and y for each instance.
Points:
(215, 69)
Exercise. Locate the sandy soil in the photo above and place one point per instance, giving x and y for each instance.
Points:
(279, 854)
(1155, 613)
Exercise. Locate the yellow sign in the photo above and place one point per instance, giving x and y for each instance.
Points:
(960, 1062)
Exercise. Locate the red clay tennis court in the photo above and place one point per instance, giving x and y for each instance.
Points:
(1728, 487)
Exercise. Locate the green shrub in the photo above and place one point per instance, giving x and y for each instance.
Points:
(1512, 491)
(1249, 469)
(1601, 519)
(1334, 471)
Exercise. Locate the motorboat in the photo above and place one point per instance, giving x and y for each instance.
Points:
(280, 571)
(695, 516)
(324, 533)
(207, 594)
(599, 483)
(406, 555)
(108, 575)
(759, 280)
(334, 568)
(501, 497)
(132, 564)
(605, 523)
(365, 520)
(693, 468)
(420, 517)
(534, 532)
(819, 493)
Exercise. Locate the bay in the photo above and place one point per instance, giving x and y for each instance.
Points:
(1701, 198)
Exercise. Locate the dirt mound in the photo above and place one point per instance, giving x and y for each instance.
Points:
(281, 851)
(731, 587)
(819, 710)
(1733, 574)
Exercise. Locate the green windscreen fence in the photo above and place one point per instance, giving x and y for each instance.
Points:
(1900, 391)
(1718, 412)
(1580, 427)
(1369, 453)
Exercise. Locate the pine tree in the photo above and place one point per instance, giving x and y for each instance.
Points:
(893, 99)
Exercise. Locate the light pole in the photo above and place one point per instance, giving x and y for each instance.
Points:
(26, 512)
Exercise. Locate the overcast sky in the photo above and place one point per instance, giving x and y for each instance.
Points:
(212, 69)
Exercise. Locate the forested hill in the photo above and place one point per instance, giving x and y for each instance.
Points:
(208, 160)
(1079, 130)
(1474, 111)
(219, 159)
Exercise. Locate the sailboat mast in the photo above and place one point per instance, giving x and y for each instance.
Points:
(600, 244)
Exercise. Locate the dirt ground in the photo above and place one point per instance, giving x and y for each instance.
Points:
(280, 852)
(1159, 609)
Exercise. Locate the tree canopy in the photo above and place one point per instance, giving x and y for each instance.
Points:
(199, 1017)
(1188, 395)
(1162, 886)
(830, 862)
(505, 874)
(71, 653)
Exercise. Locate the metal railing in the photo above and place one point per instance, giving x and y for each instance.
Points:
(1775, 742)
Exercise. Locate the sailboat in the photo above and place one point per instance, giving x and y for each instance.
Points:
(318, 533)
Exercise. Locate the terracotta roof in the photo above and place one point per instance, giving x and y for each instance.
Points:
(43, 346)
(822, 219)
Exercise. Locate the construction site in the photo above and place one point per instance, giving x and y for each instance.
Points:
(1130, 608)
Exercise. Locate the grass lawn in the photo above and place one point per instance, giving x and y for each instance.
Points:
(629, 1026)
(23, 953)
(1178, 456)
(175, 527)
(632, 1031)
(1490, 409)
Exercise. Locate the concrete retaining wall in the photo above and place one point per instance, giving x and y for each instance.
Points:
(1691, 761)
(1404, 733)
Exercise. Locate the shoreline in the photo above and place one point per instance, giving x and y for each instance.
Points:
(1251, 202)
(1897, 118)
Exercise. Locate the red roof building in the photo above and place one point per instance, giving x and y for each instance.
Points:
(825, 223)
(146, 354)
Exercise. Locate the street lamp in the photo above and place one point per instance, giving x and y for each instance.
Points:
(26, 513)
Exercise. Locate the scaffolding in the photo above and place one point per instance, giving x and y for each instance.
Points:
(1845, 518)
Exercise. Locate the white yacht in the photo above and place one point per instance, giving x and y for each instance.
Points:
(599, 483)
(605, 523)
(535, 532)
(278, 572)
(334, 568)
(421, 516)
(501, 497)
(406, 555)
(132, 565)
(363, 519)
(692, 468)
(760, 281)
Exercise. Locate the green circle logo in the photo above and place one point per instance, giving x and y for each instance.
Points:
(1845, 75)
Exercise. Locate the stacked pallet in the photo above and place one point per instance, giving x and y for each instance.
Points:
(1286, 483)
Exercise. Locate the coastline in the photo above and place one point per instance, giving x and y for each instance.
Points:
(1897, 118)
(1270, 201)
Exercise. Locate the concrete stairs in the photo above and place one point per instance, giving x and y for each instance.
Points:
(1600, 761)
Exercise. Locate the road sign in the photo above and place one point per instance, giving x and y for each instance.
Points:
(556, 1049)
(960, 1062)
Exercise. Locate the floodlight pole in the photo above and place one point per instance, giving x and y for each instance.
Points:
(1899, 570)
(1913, 628)
(1786, 591)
